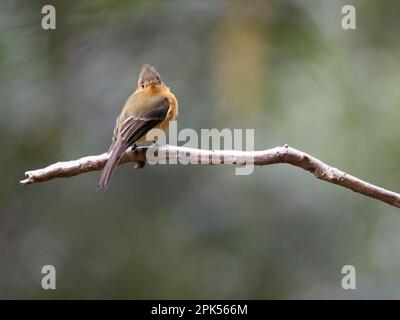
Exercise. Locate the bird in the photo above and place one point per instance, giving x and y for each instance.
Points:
(151, 106)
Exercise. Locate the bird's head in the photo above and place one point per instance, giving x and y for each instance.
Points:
(148, 75)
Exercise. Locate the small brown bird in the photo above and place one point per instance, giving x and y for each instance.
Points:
(151, 106)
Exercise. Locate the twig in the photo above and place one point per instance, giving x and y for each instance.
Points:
(283, 154)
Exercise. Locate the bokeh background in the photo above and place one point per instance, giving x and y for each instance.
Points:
(285, 68)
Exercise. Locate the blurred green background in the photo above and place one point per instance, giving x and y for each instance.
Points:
(285, 68)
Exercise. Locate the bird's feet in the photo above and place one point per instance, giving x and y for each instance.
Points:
(139, 164)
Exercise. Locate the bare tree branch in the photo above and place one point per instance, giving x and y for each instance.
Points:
(283, 154)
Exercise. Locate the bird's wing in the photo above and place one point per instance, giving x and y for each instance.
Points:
(136, 125)
(114, 136)
(139, 115)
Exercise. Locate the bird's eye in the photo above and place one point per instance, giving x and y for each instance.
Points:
(142, 84)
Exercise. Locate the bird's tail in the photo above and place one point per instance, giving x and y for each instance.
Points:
(111, 164)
